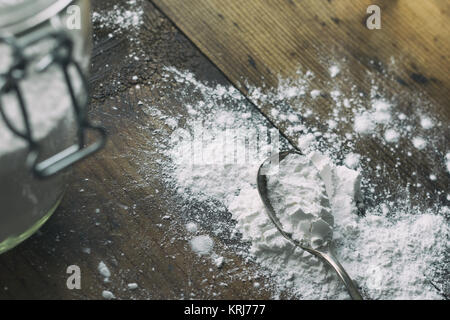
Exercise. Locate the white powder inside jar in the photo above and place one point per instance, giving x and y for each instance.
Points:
(6, 3)
(47, 100)
(25, 199)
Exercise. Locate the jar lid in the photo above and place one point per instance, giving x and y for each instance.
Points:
(17, 16)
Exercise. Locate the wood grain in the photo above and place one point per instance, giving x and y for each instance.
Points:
(255, 39)
(256, 42)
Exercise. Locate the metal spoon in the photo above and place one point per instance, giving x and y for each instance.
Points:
(324, 253)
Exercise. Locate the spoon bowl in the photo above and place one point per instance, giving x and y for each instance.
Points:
(324, 252)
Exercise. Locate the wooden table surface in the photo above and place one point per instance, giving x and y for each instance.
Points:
(116, 201)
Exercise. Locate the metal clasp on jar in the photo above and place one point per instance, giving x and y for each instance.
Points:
(62, 56)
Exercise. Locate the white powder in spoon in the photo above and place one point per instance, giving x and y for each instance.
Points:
(295, 269)
(299, 199)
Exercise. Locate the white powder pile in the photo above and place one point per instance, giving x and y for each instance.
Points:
(298, 196)
(302, 273)
(390, 252)
(214, 156)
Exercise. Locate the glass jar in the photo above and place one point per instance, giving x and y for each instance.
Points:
(45, 48)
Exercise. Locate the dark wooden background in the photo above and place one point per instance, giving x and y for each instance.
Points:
(231, 41)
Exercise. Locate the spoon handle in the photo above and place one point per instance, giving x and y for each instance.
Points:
(343, 275)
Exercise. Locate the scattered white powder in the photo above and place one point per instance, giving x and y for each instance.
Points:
(106, 294)
(346, 103)
(332, 124)
(104, 270)
(127, 17)
(391, 135)
(219, 261)
(304, 141)
(363, 123)
(419, 143)
(447, 159)
(315, 93)
(298, 196)
(426, 123)
(202, 245)
(334, 70)
(352, 160)
(132, 286)
(191, 227)
(390, 251)
(172, 122)
(381, 112)
(335, 94)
